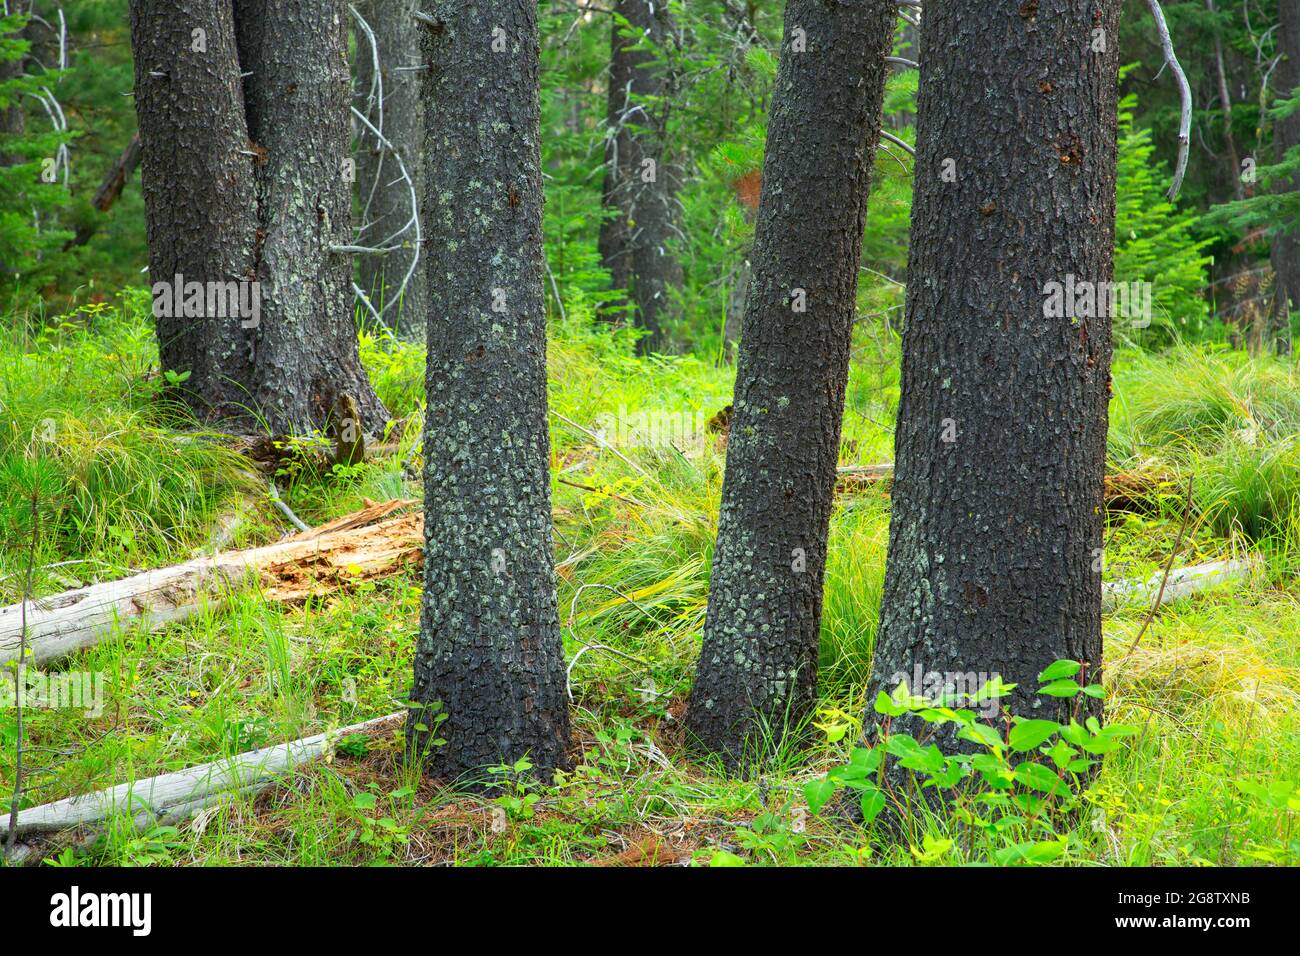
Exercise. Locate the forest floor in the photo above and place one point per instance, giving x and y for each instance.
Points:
(1213, 685)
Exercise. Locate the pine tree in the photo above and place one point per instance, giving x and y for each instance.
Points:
(994, 561)
(244, 128)
(489, 665)
(757, 675)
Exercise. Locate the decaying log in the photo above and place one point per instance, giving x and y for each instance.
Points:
(850, 479)
(372, 512)
(1137, 491)
(171, 797)
(343, 552)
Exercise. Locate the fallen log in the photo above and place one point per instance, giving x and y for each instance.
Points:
(341, 553)
(1183, 582)
(372, 512)
(172, 797)
(1136, 491)
(850, 479)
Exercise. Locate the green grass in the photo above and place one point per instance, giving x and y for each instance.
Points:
(1213, 686)
(1229, 421)
(127, 480)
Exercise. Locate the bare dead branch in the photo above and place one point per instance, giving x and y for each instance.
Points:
(1185, 92)
(901, 144)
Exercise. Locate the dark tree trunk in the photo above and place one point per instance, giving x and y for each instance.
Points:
(12, 121)
(640, 192)
(1225, 106)
(244, 183)
(297, 92)
(758, 669)
(196, 174)
(996, 525)
(385, 197)
(489, 648)
(1286, 135)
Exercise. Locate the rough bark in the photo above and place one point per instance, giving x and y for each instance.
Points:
(489, 648)
(640, 191)
(1286, 135)
(243, 182)
(196, 174)
(297, 91)
(758, 669)
(996, 522)
(385, 196)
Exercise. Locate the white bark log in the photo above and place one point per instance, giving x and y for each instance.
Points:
(1183, 582)
(317, 562)
(175, 796)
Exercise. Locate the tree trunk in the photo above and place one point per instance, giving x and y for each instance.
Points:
(298, 90)
(1225, 105)
(737, 306)
(612, 243)
(758, 669)
(489, 648)
(244, 184)
(391, 101)
(1286, 135)
(12, 121)
(196, 174)
(996, 523)
(640, 189)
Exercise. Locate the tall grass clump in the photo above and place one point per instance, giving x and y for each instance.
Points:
(855, 581)
(1229, 420)
(81, 395)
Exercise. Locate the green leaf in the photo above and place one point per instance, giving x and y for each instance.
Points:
(818, 793)
(885, 705)
(1061, 688)
(993, 687)
(867, 758)
(1074, 734)
(1034, 853)
(981, 734)
(1028, 734)
(1059, 669)
(1037, 777)
(929, 759)
(873, 801)
(902, 746)
(1061, 754)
